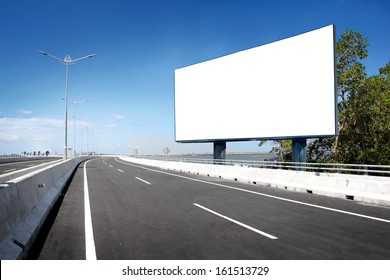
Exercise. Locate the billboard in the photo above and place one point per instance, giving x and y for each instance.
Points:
(284, 89)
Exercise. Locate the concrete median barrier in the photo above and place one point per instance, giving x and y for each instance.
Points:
(25, 203)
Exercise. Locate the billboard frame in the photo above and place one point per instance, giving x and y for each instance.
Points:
(298, 138)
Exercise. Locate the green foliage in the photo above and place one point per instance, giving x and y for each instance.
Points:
(283, 148)
(320, 150)
(350, 49)
(366, 138)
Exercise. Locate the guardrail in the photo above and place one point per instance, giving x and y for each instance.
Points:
(363, 188)
(358, 169)
(13, 158)
(10, 156)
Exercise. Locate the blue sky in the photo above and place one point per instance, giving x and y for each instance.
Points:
(130, 83)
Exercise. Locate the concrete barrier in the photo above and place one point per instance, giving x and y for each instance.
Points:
(25, 203)
(370, 189)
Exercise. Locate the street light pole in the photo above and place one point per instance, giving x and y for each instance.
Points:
(67, 61)
(66, 113)
(75, 103)
(81, 137)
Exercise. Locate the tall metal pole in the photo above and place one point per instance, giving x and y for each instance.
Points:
(74, 130)
(81, 137)
(67, 61)
(87, 141)
(66, 113)
(75, 103)
(82, 147)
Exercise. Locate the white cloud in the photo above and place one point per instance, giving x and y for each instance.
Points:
(26, 112)
(29, 134)
(110, 125)
(118, 116)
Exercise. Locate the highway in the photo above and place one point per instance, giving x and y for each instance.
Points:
(118, 210)
(9, 167)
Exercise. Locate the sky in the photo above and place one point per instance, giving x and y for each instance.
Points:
(138, 45)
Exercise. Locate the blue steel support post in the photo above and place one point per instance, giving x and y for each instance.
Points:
(219, 150)
(299, 150)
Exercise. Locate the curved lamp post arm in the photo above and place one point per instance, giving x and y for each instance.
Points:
(45, 53)
(84, 57)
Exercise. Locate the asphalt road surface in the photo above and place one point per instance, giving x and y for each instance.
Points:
(6, 168)
(138, 212)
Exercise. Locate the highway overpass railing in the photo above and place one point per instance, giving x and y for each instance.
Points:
(333, 180)
(358, 169)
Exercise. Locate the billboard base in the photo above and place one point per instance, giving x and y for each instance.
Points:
(299, 150)
(219, 150)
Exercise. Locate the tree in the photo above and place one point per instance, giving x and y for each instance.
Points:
(366, 138)
(166, 151)
(320, 150)
(350, 49)
(283, 148)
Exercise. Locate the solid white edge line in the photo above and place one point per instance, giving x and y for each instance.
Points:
(237, 222)
(142, 180)
(120, 170)
(90, 250)
(265, 195)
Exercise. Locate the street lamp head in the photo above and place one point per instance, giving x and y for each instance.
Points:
(91, 55)
(42, 52)
(67, 59)
(79, 102)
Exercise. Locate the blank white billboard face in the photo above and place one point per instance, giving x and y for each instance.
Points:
(284, 89)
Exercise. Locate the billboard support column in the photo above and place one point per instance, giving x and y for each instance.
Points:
(299, 150)
(220, 150)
